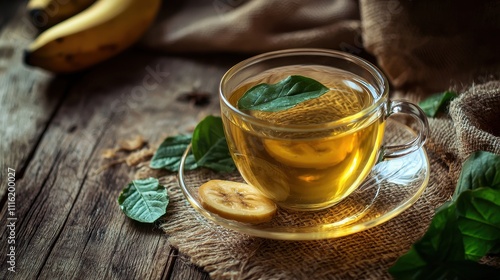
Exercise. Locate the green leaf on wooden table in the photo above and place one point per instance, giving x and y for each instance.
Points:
(462, 231)
(144, 200)
(170, 152)
(436, 103)
(282, 95)
(210, 146)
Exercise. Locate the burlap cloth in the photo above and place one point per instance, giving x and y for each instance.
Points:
(422, 46)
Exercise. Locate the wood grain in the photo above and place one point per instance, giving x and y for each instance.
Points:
(69, 224)
(28, 98)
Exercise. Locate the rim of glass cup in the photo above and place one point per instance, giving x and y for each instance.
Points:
(382, 87)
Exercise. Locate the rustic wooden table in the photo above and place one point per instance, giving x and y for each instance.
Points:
(68, 223)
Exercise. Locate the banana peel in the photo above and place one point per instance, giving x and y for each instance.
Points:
(47, 13)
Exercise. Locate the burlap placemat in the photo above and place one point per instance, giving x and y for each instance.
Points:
(422, 46)
(226, 254)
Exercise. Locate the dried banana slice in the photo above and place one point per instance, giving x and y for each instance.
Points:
(268, 178)
(236, 201)
(311, 154)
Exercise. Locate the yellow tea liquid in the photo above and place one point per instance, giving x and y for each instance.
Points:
(307, 169)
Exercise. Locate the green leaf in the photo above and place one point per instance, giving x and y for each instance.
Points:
(442, 241)
(282, 95)
(457, 270)
(170, 152)
(144, 200)
(462, 231)
(209, 149)
(481, 169)
(437, 103)
(210, 146)
(479, 221)
(409, 266)
(440, 252)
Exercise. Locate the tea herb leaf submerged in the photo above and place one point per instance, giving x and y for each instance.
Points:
(463, 230)
(281, 96)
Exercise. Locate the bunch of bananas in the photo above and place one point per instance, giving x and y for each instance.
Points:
(82, 33)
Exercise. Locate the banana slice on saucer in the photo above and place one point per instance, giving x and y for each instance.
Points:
(236, 201)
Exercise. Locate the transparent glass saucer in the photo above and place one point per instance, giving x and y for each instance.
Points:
(391, 187)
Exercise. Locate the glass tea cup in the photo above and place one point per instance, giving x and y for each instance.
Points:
(316, 153)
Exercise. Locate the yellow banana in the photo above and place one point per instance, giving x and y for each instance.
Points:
(96, 34)
(46, 13)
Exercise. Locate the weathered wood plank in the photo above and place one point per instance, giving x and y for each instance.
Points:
(71, 226)
(136, 106)
(184, 270)
(28, 97)
(28, 100)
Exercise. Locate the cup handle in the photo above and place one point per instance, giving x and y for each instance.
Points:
(402, 107)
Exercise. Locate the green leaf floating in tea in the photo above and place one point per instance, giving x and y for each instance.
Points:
(436, 103)
(282, 95)
(144, 200)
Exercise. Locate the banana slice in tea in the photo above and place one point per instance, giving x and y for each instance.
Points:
(236, 201)
(313, 153)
